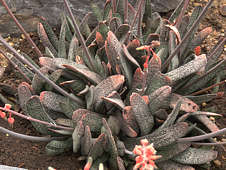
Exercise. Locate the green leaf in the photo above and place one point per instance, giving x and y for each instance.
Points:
(195, 156)
(35, 109)
(58, 147)
(97, 12)
(50, 33)
(45, 39)
(61, 45)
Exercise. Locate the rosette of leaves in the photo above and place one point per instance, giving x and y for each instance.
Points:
(133, 77)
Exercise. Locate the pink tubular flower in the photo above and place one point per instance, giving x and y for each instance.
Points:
(10, 119)
(7, 106)
(88, 164)
(145, 156)
(197, 50)
(2, 114)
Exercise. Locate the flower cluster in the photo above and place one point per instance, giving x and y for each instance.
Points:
(10, 119)
(146, 156)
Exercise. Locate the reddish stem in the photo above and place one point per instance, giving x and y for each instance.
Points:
(36, 120)
(27, 36)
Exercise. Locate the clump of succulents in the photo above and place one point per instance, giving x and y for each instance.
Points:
(134, 76)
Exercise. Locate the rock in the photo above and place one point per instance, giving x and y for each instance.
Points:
(3, 167)
(223, 10)
(217, 163)
(28, 11)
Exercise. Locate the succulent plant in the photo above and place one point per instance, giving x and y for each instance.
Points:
(132, 77)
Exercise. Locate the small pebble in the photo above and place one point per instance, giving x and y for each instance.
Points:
(223, 10)
(22, 36)
(11, 44)
(204, 104)
(217, 163)
(197, 4)
(212, 118)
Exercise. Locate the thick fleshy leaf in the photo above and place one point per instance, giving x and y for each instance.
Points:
(195, 14)
(158, 98)
(91, 76)
(97, 13)
(207, 122)
(120, 163)
(99, 39)
(142, 114)
(105, 87)
(163, 51)
(114, 99)
(52, 100)
(101, 160)
(129, 56)
(24, 93)
(107, 9)
(187, 69)
(215, 57)
(58, 147)
(77, 136)
(170, 151)
(171, 117)
(203, 98)
(152, 37)
(137, 83)
(131, 47)
(91, 119)
(92, 36)
(50, 33)
(76, 85)
(103, 29)
(111, 146)
(161, 114)
(61, 49)
(68, 107)
(162, 138)
(45, 40)
(193, 85)
(62, 132)
(171, 165)
(114, 125)
(65, 122)
(114, 24)
(126, 126)
(73, 48)
(183, 26)
(153, 23)
(35, 109)
(55, 63)
(97, 149)
(99, 67)
(55, 77)
(87, 141)
(195, 156)
(122, 31)
(155, 78)
(120, 147)
(84, 26)
(172, 45)
(187, 105)
(37, 82)
(116, 58)
(200, 37)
